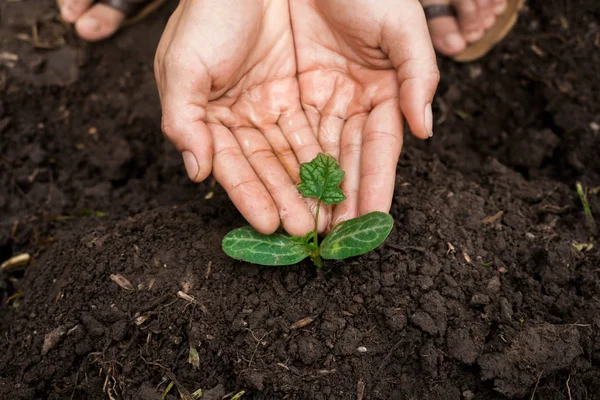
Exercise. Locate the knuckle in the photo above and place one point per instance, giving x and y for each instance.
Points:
(261, 155)
(350, 149)
(381, 136)
(169, 129)
(222, 155)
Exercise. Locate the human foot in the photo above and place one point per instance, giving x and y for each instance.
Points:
(467, 29)
(97, 21)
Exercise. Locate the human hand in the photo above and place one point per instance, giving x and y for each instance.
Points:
(226, 76)
(362, 66)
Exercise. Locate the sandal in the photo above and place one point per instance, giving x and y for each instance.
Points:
(503, 25)
(134, 10)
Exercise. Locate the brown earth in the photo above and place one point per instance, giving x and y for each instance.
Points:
(479, 292)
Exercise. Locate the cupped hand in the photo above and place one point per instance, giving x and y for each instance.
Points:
(364, 66)
(226, 75)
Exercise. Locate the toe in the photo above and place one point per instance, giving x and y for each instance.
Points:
(487, 16)
(445, 32)
(70, 10)
(468, 20)
(499, 6)
(99, 22)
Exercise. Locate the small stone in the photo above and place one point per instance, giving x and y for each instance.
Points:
(480, 299)
(494, 285)
(529, 235)
(362, 349)
(506, 311)
(594, 126)
(468, 395)
(52, 339)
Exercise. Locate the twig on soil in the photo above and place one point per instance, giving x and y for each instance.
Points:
(536, 385)
(568, 388)
(21, 260)
(360, 389)
(302, 323)
(387, 357)
(121, 281)
(185, 394)
(258, 341)
(492, 218)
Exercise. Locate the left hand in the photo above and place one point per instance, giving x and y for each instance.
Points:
(362, 68)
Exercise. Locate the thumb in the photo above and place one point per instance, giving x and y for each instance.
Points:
(184, 85)
(406, 40)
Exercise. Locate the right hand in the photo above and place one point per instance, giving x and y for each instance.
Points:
(226, 76)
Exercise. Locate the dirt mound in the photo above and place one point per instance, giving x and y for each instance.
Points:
(486, 289)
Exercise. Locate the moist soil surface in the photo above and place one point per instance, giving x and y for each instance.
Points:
(487, 288)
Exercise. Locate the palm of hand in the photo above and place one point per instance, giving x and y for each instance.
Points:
(349, 88)
(241, 97)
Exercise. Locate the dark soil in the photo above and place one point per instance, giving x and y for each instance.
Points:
(479, 292)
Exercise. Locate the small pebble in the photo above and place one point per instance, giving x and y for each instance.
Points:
(362, 349)
(595, 126)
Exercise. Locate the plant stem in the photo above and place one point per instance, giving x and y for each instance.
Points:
(316, 257)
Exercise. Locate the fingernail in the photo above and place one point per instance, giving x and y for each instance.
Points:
(429, 119)
(88, 24)
(454, 42)
(191, 164)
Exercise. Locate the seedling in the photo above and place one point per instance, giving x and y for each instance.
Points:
(321, 179)
(584, 200)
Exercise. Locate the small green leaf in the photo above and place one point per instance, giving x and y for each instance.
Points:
(357, 236)
(321, 178)
(277, 249)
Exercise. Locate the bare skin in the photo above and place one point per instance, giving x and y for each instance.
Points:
(92, 21)
(361, 69)
(227, 80)
(230, 95)
(451, 35)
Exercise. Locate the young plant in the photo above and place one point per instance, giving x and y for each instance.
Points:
(321, 179)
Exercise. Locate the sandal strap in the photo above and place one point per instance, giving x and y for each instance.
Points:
(439, 10)
(128, 7)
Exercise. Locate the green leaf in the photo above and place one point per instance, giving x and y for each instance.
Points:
(277, 249)
(321, 178)
(357, 236)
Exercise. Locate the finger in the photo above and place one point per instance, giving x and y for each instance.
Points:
(313, 116)
(232, 170)
(184, 85)
(409, 47)
(381, 145)
(295, 128)
(350, 159)
(295, 216)
(330, 132)
(282, 150)
(468, 20)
